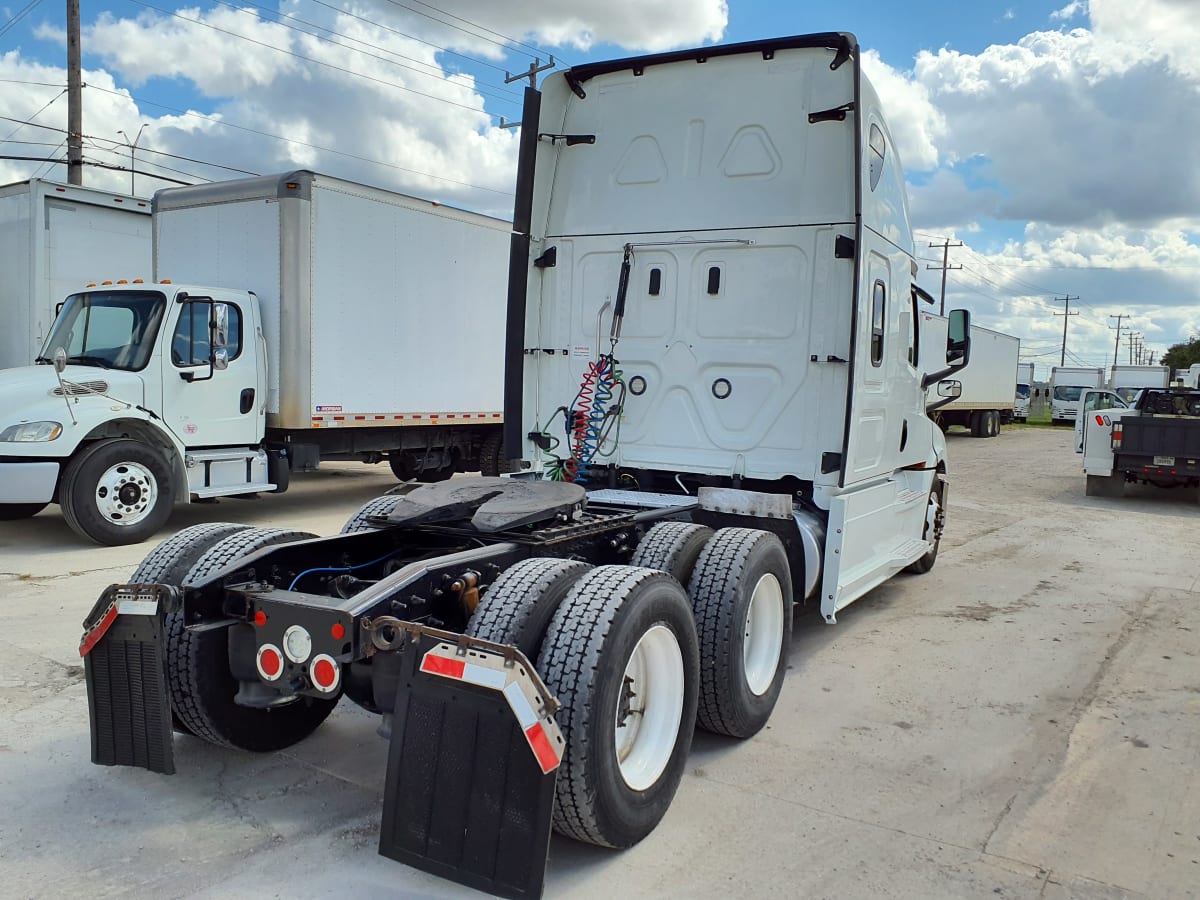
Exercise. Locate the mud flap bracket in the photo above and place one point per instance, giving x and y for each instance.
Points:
(128, 703)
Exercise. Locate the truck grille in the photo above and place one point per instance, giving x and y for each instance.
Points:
(83, 387)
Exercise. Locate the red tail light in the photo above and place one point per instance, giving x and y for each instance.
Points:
(270, 662)
(325, 673)
(1117, 432)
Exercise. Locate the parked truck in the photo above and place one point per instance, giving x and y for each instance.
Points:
(988, 388)
(1189, 377)
(711, 370)
(1067, 384)
(54, 239)
(1155, 440)
(1128, 380)
(1024, 390)
(327, 300)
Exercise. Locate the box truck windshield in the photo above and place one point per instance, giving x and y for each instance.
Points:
(112, 329)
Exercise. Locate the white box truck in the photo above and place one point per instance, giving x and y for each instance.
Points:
(1189, 377)
(710, 364)
(296, 317)
(988, 387)
(1067, 383)
(1128, 380)
(54, 239)
(1024, 389)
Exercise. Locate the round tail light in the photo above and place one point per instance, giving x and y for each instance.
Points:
(325, 673)
(270, 662)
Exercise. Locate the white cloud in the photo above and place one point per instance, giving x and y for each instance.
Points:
(1071, 10)
(915, 122)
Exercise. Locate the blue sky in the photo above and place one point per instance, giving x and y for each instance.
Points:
(1052, 138)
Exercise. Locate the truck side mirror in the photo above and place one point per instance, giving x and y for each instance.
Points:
(958, 338)
(60, 360)
(951, 389)
(220, 359)
(220, 326)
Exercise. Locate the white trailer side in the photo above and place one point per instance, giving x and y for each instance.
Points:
(988, 384)
(54, 239)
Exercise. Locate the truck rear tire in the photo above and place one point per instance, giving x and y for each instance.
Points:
(12, 512)
(672, 547)
(116, 492)
(938, 510)
(741, 594)
(201, 686)
(169, 562)
(621, 646)
(360, 521)
(491, 456)
(519, 605)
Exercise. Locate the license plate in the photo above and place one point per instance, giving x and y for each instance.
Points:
(1164, 460)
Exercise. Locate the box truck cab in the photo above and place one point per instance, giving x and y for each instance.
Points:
(1024, 389)
(144, 395)
(1067, 384)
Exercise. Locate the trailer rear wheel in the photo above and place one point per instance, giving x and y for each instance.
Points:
(198, 677)
(742, 597)
(360, 521)
(517, 608)
(170, 561)
(672, 547)
(116, 492)
(935, 521)
(491, 456)
(621, 656)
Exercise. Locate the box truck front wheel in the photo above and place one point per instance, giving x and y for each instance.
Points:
(116, 492)
(741, 594)
(621, 656)
(11, 512)
(201, 686)
(517, 608)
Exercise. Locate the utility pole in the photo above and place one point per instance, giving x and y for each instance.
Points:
(1117, 346)
(535, 68)
(74, 97)
(132, 147)
(945, 245)
(1066, 314)
(1132, 339)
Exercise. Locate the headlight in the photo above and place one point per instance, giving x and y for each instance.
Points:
(31, 432)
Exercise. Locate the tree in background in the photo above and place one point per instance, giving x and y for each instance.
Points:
(1182, 356)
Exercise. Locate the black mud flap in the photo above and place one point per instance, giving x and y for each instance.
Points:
(470, 783)
(122, 650)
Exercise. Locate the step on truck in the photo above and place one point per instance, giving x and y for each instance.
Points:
(296, 318)
(1155, 440)
(710, 369)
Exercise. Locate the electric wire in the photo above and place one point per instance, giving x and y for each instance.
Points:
(18, 16)
(507, 43)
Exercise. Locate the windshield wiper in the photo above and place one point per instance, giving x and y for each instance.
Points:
(89, 360)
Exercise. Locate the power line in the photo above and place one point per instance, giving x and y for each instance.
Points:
(945, 266)
(30, 121)
(226, 124)
(507, 43)
(300, 56)
(18, 16)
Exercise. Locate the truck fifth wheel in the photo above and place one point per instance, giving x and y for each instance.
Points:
(712, 375)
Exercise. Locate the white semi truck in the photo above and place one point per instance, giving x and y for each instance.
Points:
(988, 388)
(296, 317)
(1067, 383)
(1024, 389)
(54, 239)
(1128, 380)
(711, 369)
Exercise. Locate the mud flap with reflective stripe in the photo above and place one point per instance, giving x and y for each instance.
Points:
(128, 704)
(470, 780)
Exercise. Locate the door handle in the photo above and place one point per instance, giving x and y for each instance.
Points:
(247, 401)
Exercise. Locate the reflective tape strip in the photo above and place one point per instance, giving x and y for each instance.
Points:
(542, 748)
(520, 706)
(353, 419)
(138, 607)
(92, 638)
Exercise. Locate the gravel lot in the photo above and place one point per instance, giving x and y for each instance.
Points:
(1022, 721)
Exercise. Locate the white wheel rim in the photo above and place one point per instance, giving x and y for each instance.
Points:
(126, 493)
(649, 708)
(762, 643)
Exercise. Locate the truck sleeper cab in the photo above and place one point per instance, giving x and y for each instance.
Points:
(711, 369)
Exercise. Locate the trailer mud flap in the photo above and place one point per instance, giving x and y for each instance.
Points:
(471, 768)
(128, 704)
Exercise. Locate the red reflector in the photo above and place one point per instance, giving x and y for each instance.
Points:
(439, 665)
(260, 618)
(338, 631)
(324, 673)
(1099, 420)
(542, 749)
(270, 661)
(92, 638)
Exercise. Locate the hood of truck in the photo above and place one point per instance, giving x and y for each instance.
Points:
(33, 394)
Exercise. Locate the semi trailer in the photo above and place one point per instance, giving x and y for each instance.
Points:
(54, 239)
(711, 370)
(988, 392)
(294, 319)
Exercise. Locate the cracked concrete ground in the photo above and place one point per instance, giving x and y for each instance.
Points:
(1023, 721)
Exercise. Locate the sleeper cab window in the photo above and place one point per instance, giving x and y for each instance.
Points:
(878, 296)
(876, 153)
